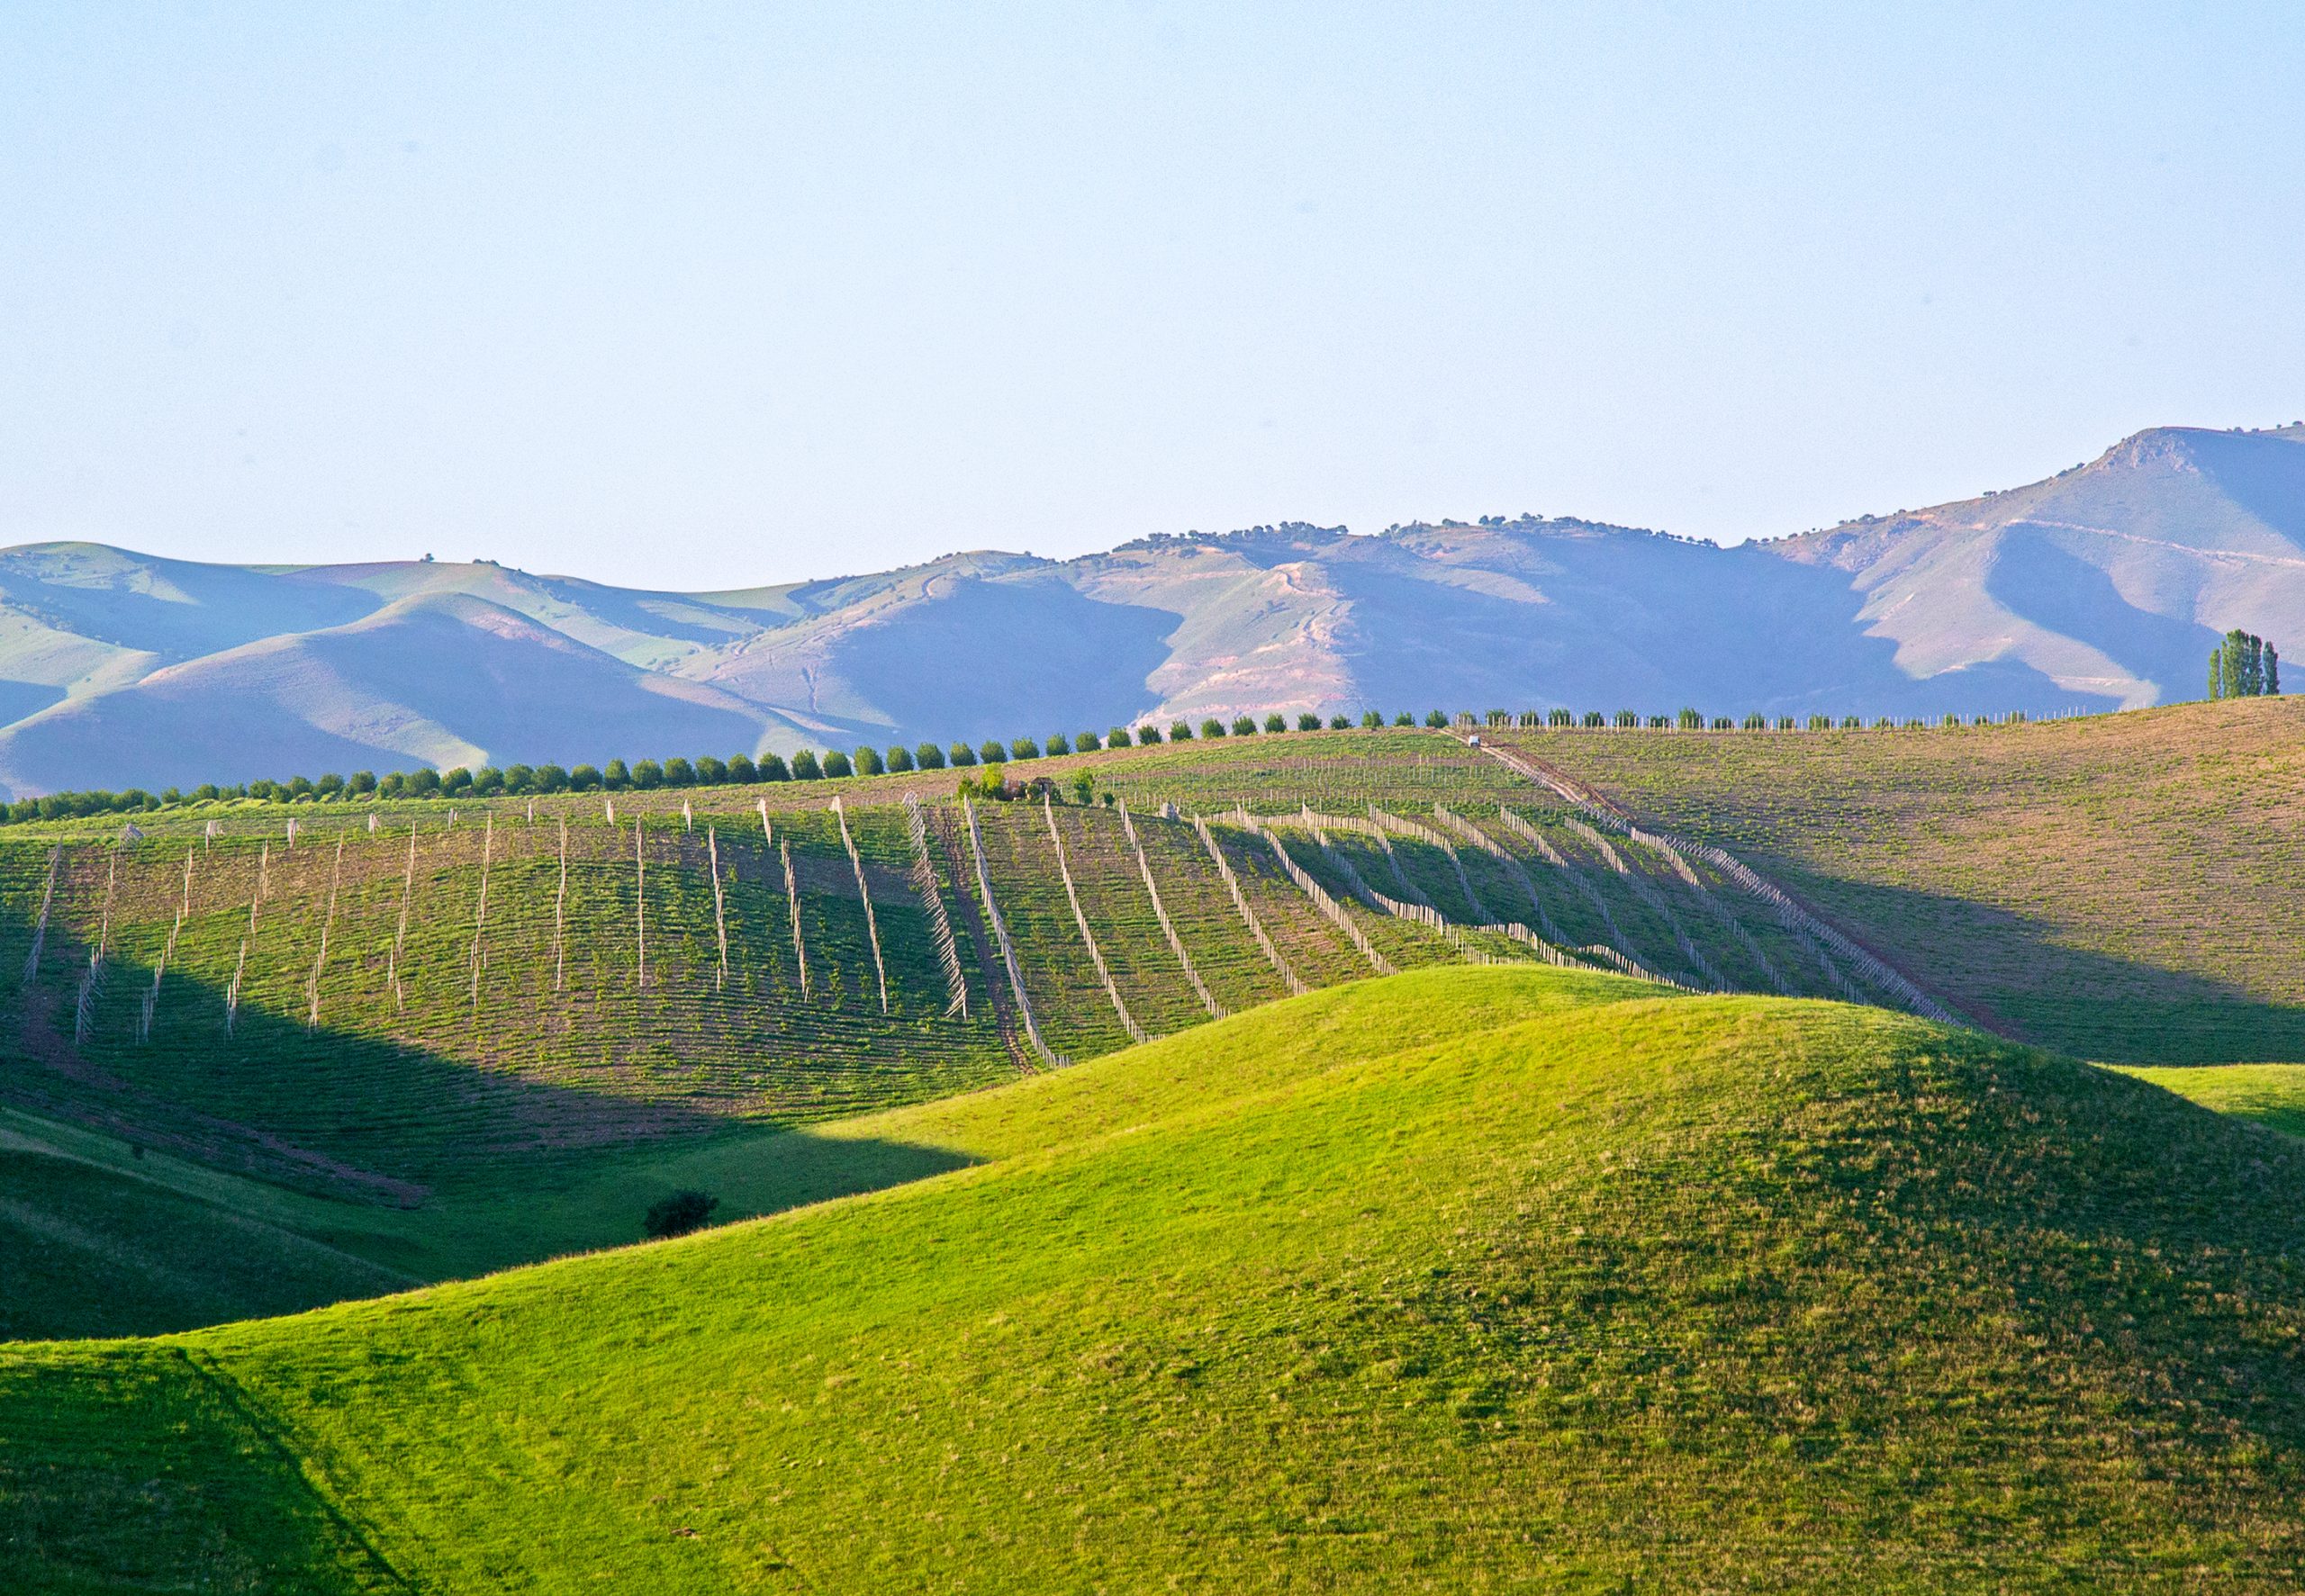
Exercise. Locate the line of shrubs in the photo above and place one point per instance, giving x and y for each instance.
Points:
(648, 774)
(1696, 720)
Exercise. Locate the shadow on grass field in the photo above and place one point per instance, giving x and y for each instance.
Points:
(2021, 975)
(322, 1164)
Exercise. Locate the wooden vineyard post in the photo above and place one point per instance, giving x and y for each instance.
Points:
(639, 901)
(328, 921)
(84, 1010)
(792, 901)
(719, 909)
(168, 950)
(767, 834)
(1289, 977)
(1136, 1032)
(480, 913)
(39, 926)
(559, 909)
(400, 932)
(872, 926)
(1008, 949)
(1160, 912)
(241, 965)
(924, 882)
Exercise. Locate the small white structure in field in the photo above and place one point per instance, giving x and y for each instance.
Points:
(1473, 741)
(131, 832)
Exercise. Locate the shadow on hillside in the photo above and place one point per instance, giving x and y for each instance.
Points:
(789, 1169)
(2012, 973)
(2034, 575)
(1625, 618)
(338, 1114)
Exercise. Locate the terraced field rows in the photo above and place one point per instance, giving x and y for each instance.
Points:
(478, 986)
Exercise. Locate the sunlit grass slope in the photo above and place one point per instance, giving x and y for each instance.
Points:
(2269, 1094)
(2122, 888)
(1469, 1279)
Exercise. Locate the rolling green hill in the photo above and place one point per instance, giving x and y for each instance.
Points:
(1469, 1279)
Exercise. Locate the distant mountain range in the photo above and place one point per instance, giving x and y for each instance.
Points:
(2103, 586)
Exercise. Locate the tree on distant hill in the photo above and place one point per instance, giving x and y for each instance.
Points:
(2244, 665)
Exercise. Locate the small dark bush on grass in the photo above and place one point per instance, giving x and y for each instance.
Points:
(678, 1214)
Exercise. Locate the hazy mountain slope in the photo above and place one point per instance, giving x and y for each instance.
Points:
(2102, 585)
(2112, 577)
(434, 679)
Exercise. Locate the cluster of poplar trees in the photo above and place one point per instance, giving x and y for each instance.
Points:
(2244, 666)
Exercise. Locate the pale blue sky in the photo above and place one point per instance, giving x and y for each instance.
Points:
(704, 296)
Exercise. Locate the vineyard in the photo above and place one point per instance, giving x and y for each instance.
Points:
(2119, 887)
(415, 1014)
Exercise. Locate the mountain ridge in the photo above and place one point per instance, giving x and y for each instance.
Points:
(2102, 586)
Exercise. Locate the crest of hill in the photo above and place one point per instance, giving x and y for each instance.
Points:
(435, 677)
(2113, 579)
(1466, 1275)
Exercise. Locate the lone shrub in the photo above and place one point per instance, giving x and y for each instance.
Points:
(678, 1214)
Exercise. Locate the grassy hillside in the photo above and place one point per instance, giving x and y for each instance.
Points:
(2123, 888)
(439, 1037)
(1469, 1279)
